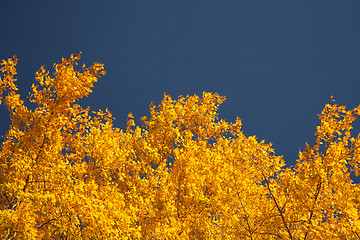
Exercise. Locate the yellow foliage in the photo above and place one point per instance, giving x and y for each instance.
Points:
(66, 173)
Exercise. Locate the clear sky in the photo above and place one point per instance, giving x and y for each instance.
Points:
(277, 62)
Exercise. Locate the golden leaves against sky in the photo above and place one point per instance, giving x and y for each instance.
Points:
(184, 173)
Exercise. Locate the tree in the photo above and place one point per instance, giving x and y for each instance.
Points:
(67, 173)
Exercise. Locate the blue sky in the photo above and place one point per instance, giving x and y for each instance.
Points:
(277, 62)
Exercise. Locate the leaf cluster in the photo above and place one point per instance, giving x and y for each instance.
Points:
(68, 173)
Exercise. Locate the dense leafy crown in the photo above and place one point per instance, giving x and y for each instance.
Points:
(66, 173)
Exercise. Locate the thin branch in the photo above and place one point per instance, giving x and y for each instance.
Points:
(318, 189)
(312, 211)
(277, 205)
(274, 199)
(46, 223)
(246, 217)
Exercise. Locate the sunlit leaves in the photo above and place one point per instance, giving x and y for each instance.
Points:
(67, 173)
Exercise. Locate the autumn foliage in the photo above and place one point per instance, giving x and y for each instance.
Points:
(68, 173)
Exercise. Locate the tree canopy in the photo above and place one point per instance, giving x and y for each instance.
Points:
(68, 173)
